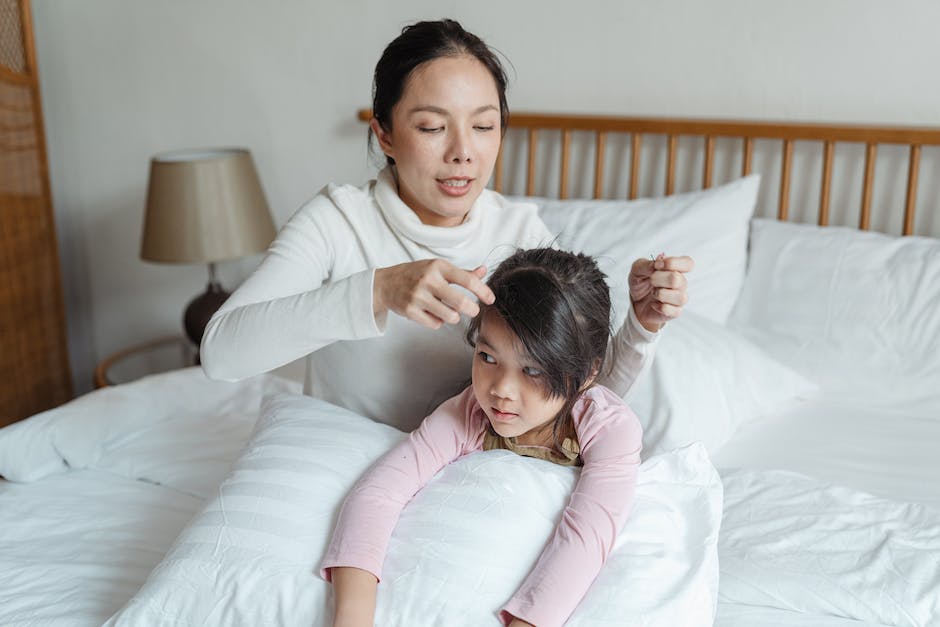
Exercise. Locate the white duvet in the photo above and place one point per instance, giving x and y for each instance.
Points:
(792, 550)
(460, 549)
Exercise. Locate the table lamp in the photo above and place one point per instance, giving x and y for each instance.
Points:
(204, 206)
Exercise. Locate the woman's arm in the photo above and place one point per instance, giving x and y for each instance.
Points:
(289, 307)
(657, 295)
(354, 592)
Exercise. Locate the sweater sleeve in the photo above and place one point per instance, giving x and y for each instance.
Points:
(629, 355)
(611, 440)
(371, 510)
(291, 305)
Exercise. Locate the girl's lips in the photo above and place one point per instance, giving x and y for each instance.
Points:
(502, 416)
(448, 186)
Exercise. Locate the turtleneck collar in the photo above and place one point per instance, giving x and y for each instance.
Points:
(406, 222)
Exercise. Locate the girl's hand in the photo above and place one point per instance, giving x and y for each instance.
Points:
(424, 291)
(658, 289)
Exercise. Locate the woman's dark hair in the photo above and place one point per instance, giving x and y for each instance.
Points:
(558, 304)
(422, 42)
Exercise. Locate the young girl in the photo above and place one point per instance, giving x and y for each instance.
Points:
(538, 350)
(363, 281)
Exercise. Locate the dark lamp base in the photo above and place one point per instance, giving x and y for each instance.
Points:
(200, 309)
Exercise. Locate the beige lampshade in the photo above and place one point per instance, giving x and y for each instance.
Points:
(205, 206)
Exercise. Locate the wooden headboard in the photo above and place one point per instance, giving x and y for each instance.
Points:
(564, 155)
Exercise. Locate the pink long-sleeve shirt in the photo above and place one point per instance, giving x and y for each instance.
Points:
(610, 438)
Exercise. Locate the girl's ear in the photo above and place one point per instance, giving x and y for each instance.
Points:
(590, 380)
(383, 136)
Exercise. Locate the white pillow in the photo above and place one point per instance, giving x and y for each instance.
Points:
(707, 380)
(251, 556)
(711, 226)
(858, 312)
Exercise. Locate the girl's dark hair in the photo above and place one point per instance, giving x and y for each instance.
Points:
(558, 304)
(422, 42)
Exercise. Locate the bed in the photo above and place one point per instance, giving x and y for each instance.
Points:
(791, 419)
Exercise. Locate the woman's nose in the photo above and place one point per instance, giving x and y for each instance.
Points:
(459, 149)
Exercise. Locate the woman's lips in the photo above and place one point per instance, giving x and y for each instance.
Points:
(455, 187)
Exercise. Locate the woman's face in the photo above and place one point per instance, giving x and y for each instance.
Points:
(506, 384)
(444, 138)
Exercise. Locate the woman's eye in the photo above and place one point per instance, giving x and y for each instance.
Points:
(532, 372)
(486, 357)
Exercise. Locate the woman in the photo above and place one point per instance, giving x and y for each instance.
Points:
(370, 283)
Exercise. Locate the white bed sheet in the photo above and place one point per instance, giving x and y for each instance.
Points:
(887, 450)
(738, 615)
(74, 547)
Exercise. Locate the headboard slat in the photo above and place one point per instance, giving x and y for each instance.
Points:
(783, 206)
(871, 153)
(600, 145)
(530, 172)
(826, 186)
(636, 143)
(709, 162)
(747, 156)
(498, 171)
(565, 156)
(671, 164)
(911, 199)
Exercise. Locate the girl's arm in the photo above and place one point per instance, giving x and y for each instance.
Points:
(354, 591)
(372, 508)
(610, 437)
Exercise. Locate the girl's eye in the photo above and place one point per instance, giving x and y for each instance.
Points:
(485, 128)
(426, 129)
(532, 372)
(486, 357)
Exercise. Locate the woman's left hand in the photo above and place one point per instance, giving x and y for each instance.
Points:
(658, 289)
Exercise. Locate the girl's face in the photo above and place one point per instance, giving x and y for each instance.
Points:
(507, 386)
(444, 138)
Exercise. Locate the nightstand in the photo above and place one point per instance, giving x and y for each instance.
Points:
(168, 353)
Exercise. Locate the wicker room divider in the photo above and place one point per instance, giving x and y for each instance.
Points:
(34, 363)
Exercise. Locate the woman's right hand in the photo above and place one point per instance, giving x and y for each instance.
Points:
(424, 291)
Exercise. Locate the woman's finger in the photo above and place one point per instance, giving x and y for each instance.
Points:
(458, 301)
(671, 297)
(470, 281)
(669, 280)
(682, 263)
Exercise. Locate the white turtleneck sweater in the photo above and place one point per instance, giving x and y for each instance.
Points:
(312, 296)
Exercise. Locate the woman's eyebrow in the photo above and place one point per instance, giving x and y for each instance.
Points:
(440, 111)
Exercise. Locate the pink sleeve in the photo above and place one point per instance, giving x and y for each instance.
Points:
(611, 439)
(372, 508)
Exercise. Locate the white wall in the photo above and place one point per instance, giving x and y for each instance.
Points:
(124, 79)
